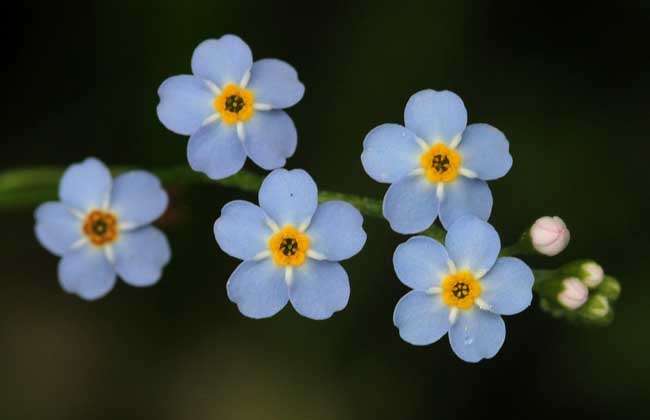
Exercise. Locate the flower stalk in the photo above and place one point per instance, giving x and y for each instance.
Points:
(27, 187)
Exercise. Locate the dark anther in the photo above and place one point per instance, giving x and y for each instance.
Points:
(234, 103)
(460, 290)
(289, 246)
(440, 163)
(100, 227)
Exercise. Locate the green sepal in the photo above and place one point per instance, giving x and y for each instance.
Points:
(610, 288)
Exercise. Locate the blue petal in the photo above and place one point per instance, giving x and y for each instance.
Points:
(485, 151)
(185, 103)
(508, 286)
(464, 197)
(473, 244)
(258, 288)
(85, 185)
(270, 138)
(411, 204)
(216, 151)
(319, 288)
(390, 152)
(477, 335)
(241, 230)
(138, 198)
(435, 116)
(275, 83)
(140, 256)
(421, 318)
(421, 262)
(336, 231)
(289, 197)
(57, 229)
(222, 61)
(87, 273)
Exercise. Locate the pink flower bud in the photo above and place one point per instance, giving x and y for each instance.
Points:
(574, 295)
(549, 235)
(593, 274)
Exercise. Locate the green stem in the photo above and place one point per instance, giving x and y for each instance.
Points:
(541, 276)
(28, 187)
(367, 206)
(522, 247)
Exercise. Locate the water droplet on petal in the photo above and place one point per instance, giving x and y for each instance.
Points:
(468, 339)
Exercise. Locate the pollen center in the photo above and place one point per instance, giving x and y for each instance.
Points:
(289, 246)
(100, 227)
(440, 163)
(234, 104)
(460, 290)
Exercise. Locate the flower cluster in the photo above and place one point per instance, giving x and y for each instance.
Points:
(438, 167)
(579, 291)
(290, 245)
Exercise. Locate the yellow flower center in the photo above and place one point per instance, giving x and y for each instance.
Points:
(441, 163)
(289, 247)
(460, 290)
(101, 227)
(234, 104)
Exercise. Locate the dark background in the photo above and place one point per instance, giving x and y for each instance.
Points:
(568, 83)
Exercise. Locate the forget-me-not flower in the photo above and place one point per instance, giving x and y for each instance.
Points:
(231, 107)
(291, 246)
(461, 288)
(101, 229)
(436, 165)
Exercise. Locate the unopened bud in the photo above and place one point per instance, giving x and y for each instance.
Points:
(574, 293)
(592, 274)
(610, 288)
(596, 309)
(549, 235)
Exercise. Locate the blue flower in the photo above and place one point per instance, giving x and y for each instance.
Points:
(290, 247)
(231, 107)
(101, 228)
(436, 165)
(460, 288)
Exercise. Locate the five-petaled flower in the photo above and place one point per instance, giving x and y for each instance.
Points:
(231, 107)
(436, 164)
(291, 246)
(101, 228)
(461, 288)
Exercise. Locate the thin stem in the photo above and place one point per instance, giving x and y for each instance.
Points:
(28, 187)
(366, 205)
(522, 247)
(542, 275)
